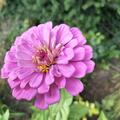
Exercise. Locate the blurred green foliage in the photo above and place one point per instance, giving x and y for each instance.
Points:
(82, 109)
(99, 20)
(102, 116)
(111, 106)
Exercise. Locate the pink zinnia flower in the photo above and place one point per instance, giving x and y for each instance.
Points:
(46, 59)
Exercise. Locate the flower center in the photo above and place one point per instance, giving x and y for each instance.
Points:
(43, 59)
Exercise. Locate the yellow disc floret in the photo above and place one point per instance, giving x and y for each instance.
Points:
(43, 68)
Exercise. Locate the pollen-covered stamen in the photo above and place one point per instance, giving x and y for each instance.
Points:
(43, 68)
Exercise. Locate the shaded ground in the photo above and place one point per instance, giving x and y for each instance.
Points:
(103, 82)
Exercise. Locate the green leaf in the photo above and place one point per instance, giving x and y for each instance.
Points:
(62, 109)
(108, 103)
(78, 111)
(5, 116)
(0, 117)
(4, 112)
(102, 116)
(40, 115)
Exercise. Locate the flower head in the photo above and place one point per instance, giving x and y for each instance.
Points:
(45, 59)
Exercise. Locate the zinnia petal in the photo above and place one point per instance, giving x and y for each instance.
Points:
(80, 69)
(26, 93)
(10, 57)
(26, 63)
(90, 66)
(79, 54)
(88, 52)
(66, 70)
(43, 88)
(13, 83)
(36, 79)
(40, 102)
(4, 74)
(74, 86)
(49, 78)
(60, 82)
(44, 31)
(78, 35)
(24, 72)
(53, 95)
(72, 43)
(64, 34)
